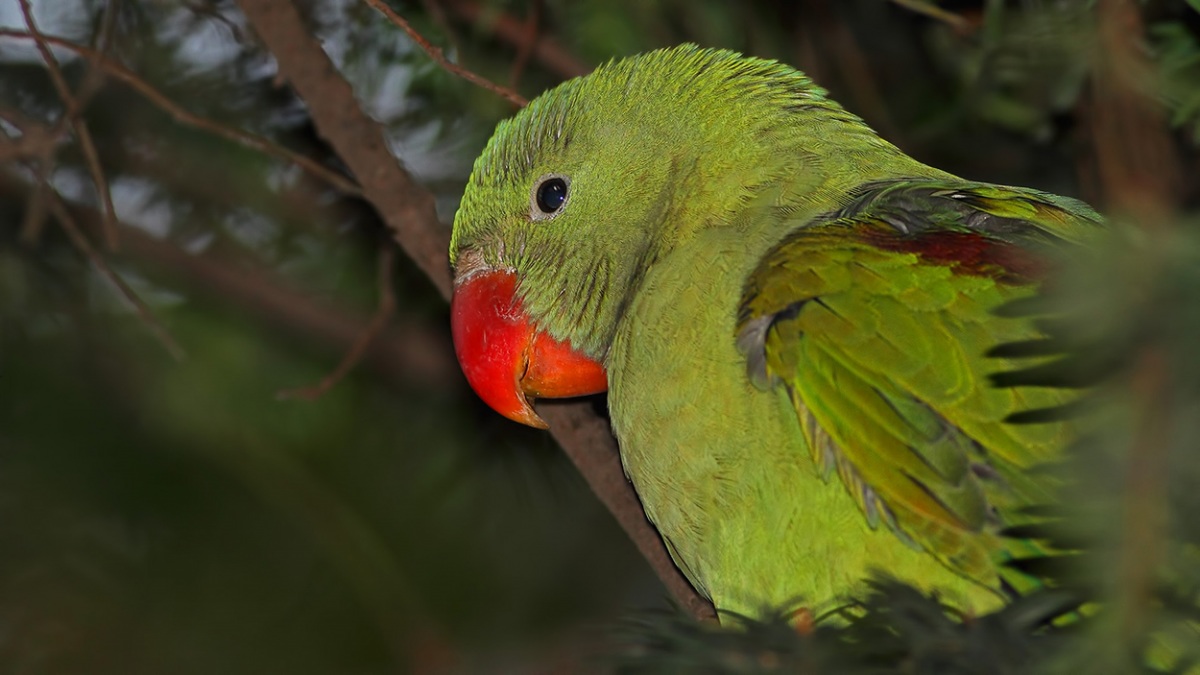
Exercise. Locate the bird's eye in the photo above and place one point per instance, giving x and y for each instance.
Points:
(549, 197)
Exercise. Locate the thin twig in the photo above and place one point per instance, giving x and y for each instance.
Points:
(85, 247)
(33, 136)
(410, 352)
(108, 26)
(34, 220)
(436, 54)
(35, 148)
(408, 209)
(504, 27)
(211, 10)
(932, 11)
(183, 116)
(17, 118)
(72, 112)
(93, 80)
(383, 313)
(436, 12)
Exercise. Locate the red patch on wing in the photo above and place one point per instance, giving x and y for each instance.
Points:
(967, 253)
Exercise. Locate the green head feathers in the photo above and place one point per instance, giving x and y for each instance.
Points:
(637, 157)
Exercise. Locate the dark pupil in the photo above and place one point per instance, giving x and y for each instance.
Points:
(551, 195)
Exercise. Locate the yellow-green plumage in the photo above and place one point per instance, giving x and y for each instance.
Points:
(793, 315)
(882, 355)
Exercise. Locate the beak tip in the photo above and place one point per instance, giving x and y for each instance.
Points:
(525, 414)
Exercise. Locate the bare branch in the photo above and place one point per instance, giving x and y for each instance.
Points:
(17, 118)
(407, 207)
(588, 442)
(183, 116)
(435, 11)
(932, 11)
(436, 54)
(548, 52)
(210, 10)
(85, 247)
(93, 81)
(72, 114)
(46, 198)
(408, 352)
(34, 220)
(35, 148)
(387, 305)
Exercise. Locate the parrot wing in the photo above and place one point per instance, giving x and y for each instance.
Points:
(874, 321)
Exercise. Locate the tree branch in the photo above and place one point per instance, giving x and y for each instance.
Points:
(407, 208)
(955, 21)
(72, 114)
(383, 313)
(406, 352)
(85, 247)
(548, 52)
(183, 116)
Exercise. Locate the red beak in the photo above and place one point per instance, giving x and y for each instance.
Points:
(506, 358)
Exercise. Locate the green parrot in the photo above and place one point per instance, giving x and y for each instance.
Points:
(790, 317)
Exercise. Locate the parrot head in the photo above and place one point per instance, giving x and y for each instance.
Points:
(575, 196)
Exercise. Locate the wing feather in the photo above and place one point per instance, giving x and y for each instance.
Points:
(874, 321)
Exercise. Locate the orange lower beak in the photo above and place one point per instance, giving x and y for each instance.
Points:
(506, 358)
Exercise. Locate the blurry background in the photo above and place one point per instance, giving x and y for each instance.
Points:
(167, 506)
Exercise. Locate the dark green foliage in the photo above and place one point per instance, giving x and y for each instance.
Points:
(892, 629)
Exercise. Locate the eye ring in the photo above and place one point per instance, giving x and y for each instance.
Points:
(549, 196)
